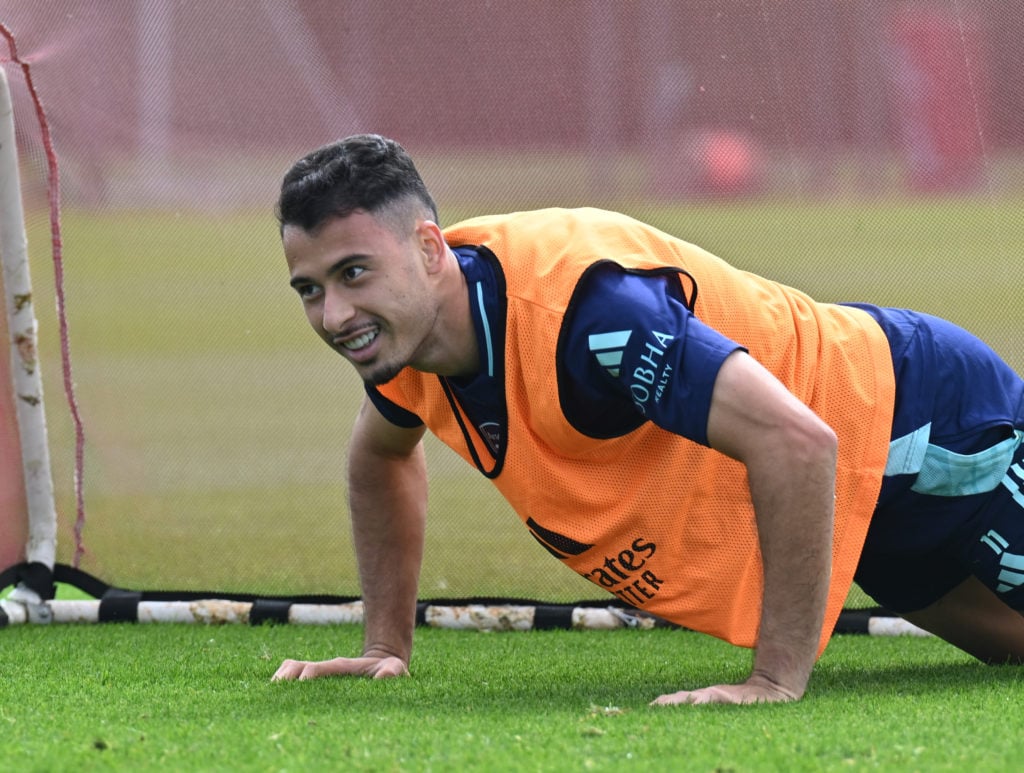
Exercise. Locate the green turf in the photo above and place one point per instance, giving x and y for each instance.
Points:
(175, 697)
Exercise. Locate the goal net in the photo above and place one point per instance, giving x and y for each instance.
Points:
(197, 429)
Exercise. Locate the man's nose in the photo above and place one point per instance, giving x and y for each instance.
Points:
(338, 311)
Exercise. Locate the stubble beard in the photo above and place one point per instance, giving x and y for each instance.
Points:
(382, 374)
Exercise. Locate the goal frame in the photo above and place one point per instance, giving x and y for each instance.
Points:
(34, 584)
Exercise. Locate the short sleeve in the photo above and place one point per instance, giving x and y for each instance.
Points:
(651, 356)
(394, 413)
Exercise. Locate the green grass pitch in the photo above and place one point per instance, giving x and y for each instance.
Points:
(216, 427)
(177, 697)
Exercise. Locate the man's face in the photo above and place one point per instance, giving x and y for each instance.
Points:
(366, 291)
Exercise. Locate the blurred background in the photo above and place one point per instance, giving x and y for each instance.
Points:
(656, 98)
(861, 150)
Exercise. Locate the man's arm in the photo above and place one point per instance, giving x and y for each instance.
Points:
(387, 482)
(790, 456)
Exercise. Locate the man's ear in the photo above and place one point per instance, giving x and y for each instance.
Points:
(432, 245)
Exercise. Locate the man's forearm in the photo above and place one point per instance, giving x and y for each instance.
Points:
(387, 499)
(795, 512)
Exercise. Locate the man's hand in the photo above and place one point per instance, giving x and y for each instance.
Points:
(754, 690)
(372, 667)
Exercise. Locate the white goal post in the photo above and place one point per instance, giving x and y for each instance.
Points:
(41, 545)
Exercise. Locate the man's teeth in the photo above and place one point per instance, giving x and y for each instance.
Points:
(361, 341)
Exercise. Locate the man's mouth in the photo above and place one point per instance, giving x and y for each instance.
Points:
(360, 341)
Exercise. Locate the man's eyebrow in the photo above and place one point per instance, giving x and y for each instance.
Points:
(336, 267)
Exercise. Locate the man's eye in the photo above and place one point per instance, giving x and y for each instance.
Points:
(308, 292)
(352, 272)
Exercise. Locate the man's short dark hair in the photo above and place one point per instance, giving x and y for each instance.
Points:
(363, 172)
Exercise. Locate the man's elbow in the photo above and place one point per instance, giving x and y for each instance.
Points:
(812, 441)
(803, 452)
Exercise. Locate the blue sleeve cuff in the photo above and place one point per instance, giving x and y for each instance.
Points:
(396, 414)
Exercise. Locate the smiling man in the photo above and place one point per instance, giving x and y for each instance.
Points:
(371, 295)
(713, 447)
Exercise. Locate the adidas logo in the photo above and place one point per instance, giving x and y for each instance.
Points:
(608, 348)
(1011, 565)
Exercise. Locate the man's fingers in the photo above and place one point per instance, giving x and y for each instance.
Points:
(684, 697)
(289, 669)
(696, 697)
(377, 668)
(724, 693)
(299, 669)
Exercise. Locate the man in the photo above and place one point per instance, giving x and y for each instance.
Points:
(713, 447)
